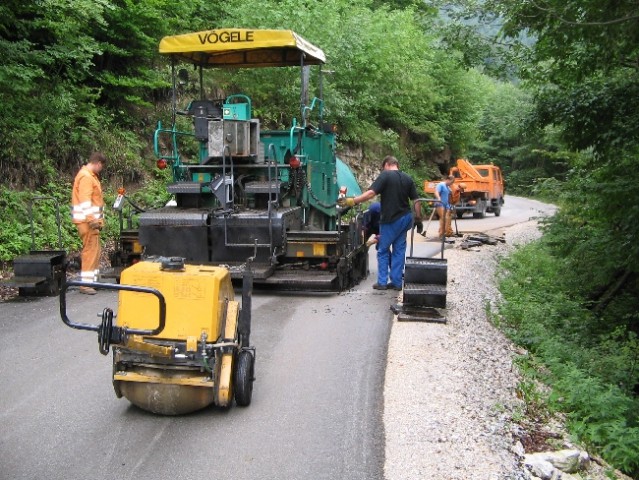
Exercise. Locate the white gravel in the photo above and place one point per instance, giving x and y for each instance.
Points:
(450, 388)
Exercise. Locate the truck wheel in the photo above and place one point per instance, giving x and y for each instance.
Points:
(482, 212)
(244, 378)
(460, 214)
(497, 211)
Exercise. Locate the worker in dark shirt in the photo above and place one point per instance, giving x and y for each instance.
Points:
(396, 189)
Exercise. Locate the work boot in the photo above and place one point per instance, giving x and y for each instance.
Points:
(393, 287)
(377, 286)
(88, 290)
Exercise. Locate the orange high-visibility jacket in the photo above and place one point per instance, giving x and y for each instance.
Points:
(87, 201)
(455, 194)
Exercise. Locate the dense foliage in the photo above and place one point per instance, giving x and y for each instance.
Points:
(583, 72)
(591, 367)
(77, 76)
(568, 131)
(593, 99)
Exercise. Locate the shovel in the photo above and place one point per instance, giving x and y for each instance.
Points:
(428, 224)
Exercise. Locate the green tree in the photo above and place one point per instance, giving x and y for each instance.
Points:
(584, 75)
(380, 77)
(586, 89)
(46, 51)
(126, 70)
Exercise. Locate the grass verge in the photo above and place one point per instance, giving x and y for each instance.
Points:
(591, 370)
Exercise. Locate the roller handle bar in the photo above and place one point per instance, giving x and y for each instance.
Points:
(111, 286)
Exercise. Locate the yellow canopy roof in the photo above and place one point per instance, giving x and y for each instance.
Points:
(238, 47)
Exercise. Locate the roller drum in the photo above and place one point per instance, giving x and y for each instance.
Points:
(167, 398)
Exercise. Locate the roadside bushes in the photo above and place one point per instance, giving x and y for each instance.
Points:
(591, 365)
(15, 222)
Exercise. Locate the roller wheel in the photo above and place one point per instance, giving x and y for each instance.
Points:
(244, 378)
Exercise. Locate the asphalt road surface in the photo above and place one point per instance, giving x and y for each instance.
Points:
(317, 400)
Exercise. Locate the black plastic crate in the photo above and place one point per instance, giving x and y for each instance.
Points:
(425, 295)
(426, 270)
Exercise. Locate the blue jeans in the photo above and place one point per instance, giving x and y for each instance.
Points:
(392, 235)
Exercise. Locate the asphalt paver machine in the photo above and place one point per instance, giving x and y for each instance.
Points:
(238, 186)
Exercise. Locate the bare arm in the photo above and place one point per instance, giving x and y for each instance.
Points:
(364, 197)
(417, 208)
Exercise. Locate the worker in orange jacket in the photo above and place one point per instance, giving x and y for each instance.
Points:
(456, 190)
(88, 216)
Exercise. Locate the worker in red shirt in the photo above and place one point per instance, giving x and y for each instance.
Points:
(88, 217)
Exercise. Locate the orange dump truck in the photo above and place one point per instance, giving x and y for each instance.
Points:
(483, 188)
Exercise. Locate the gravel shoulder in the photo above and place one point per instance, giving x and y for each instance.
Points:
(450, 389)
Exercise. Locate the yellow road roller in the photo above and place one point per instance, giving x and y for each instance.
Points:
(179, 338)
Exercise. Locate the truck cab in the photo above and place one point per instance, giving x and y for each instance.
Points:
(495, 182)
